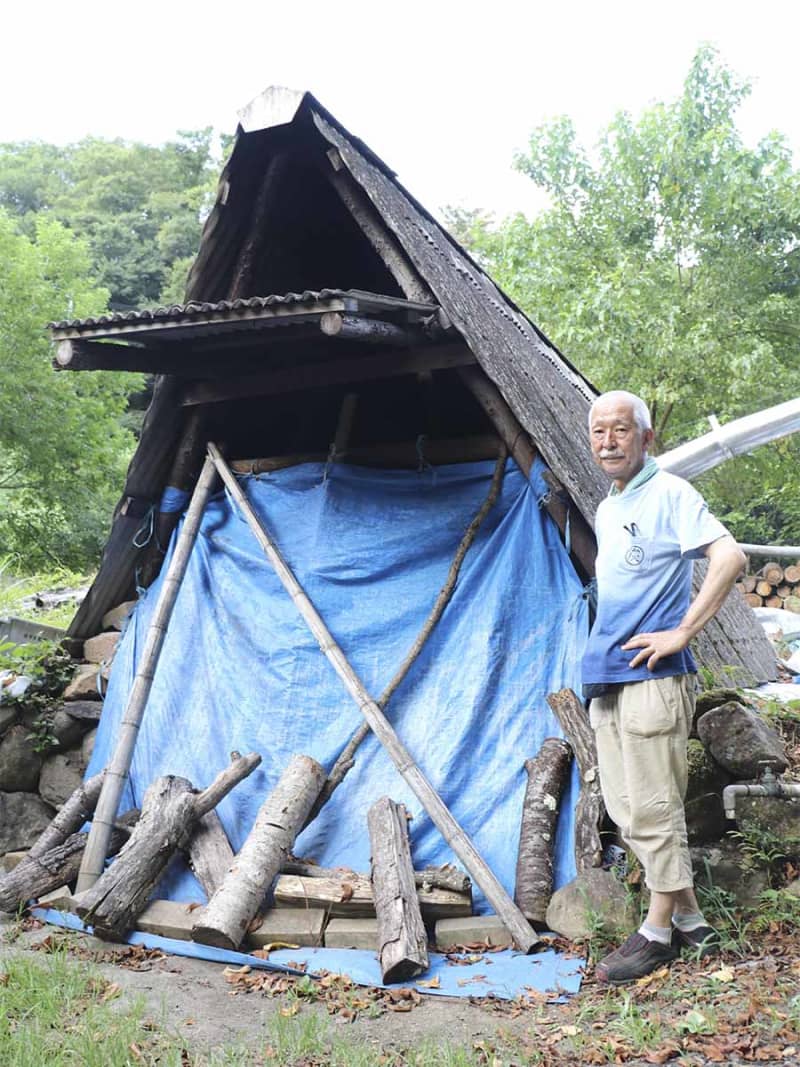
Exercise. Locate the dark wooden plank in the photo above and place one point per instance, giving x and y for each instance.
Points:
(321, 375)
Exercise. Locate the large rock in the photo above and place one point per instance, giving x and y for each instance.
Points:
(741, 741)
(20, 763)
(87, 748)
(8, 716)
(705, 814)
(575, 908)
(101, 649)
(61, 775)
(84, 685)
(723, 866)
(713, 698)
(777, 816)
(115, 619)
(67, 730)
(23, 816)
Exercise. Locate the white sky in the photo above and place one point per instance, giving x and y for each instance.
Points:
(444, 92)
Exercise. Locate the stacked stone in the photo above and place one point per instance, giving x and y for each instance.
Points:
(40, 769)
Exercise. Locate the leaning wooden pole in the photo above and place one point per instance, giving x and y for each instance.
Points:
(515, 922)
(117, 771)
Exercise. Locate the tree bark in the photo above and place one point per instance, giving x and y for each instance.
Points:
(402, 940)
(445, 877)
(70, 818)
(57, 866)
(282, 815)
(210, 854)
(590, 809)
(547, 777)
(169, 812)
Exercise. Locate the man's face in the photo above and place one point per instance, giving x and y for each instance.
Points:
(618, 444)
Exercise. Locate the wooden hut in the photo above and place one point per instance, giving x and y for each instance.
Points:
(320, 277)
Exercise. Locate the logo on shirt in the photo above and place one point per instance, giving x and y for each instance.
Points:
(634, 557)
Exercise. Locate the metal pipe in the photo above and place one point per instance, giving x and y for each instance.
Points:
(769, 786)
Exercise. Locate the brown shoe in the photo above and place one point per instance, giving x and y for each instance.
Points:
(634, 959)
(701, 942)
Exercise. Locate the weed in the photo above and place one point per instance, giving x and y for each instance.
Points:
(719, 907)
(765, 850)
(640, 1030)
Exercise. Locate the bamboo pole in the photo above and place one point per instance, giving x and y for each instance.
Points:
(117, 771)
(515, 922)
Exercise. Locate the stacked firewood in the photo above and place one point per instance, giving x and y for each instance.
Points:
(773, 586)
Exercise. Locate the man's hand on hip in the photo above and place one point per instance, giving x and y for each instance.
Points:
(656, 646)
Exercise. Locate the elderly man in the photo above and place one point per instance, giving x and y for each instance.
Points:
(638, 671)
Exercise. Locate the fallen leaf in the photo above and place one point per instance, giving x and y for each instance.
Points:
(193, 906)
(432, 983)
(724, 974)
(273, 946)
(112, 990)
(347, 892)
(293, 1009)
(260, 953)
(569, 1031)
(255, 924)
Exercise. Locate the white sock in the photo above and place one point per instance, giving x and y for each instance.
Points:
(656, 933)
(688, 920)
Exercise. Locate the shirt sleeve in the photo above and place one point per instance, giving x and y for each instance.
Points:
(695, 526)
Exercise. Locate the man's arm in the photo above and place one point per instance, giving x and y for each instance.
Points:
(725, 561)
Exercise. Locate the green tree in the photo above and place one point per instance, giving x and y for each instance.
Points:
(139, 207)
(62, 446)
(668, 263)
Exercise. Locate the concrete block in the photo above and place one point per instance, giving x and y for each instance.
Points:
(11, 859)
(295, 926)
(168, 918)
(469, 929)
(60, 899)
(353, 933)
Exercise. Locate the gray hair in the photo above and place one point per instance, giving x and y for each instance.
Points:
(640, 410)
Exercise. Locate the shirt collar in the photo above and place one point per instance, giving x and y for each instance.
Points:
(645, 474)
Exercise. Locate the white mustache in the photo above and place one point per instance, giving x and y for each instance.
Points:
(611, 455)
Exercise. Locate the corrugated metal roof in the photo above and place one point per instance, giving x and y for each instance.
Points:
(242, 312)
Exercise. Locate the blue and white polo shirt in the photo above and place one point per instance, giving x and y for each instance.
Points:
(647, 537)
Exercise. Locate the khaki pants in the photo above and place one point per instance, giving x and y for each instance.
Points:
(641, 731)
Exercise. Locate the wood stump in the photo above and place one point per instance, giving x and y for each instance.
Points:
(590, 810)
(402, 940)
(547, 777)
(282, 815)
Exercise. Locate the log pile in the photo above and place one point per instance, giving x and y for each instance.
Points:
(773, 586)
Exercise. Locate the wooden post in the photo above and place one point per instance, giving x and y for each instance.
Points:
(374, 331)
(117, 771)
(402, 940)
(590, 809)
(547, 776)
(456, 838)
(170, 809)
(280, 819)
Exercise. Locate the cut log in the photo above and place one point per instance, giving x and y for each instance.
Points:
(773, 602)
(374, 331)
(547, 777)
(170, 810)
(210, 854)
(402, 939)
(792, 603)
(763, 588)
(792, 573)
(57, 866)
(754, 600)
(783, 591)
(445, 877)
(72, 815)
(351, 894)
(281, 817)
(772, 572)
(590, 809)
(748, 583)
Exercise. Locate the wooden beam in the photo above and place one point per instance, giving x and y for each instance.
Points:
(321, 375)
(401, 455)
(376, 231)
(374, 331)
(244, 271)
(582, 542)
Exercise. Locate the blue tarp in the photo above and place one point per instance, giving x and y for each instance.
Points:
(240, 670)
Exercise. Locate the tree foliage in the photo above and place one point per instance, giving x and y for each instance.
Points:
(62, 445)
(139, 207)
(668, 263)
